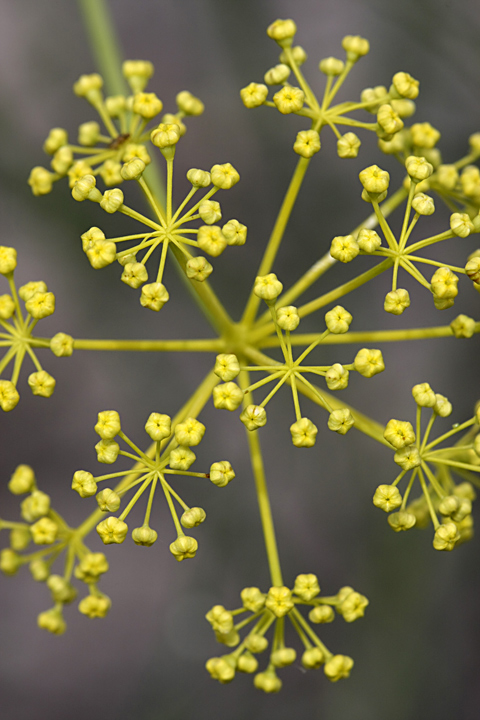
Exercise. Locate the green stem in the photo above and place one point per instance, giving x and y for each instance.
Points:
(263, 499)
(277, 234)
(213, 345)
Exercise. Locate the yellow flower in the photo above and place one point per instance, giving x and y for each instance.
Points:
(112, 530)
(254, 95)
(211, 240)
(147, 105)
(183, 548)
(41, 383)
(306, 586)
(158, 426)
(289, 99)
(399, 433)
(221, 473)
(304, 433)
(387, 498)
(224, 176)
(396, 301)
(154, 296)
(279, 601)
(307, 143)
(338, 667)
(8, 259)
(9, 396)
(44, 531)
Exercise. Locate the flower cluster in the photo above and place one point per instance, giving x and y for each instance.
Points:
(389, 106)
(170, 454)
(272, 608)
(440, 494)
(45, 527)
(125, 120)
(444, 281)
(229, 396)
(17, 338)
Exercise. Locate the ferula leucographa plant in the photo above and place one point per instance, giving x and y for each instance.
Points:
(118, 149)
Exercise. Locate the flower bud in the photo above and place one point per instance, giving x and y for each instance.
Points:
(387, 498)
(158, 426)
(211, 240)
(288, 318)
(254, 417)
(56, 138)
(193, 517)
(154, 296)
(112, 530)
(183, 548)
(267, 287)
(289, 99)
(227, 396)
(321, 614)
(221, 473)
(304, 433)
(313, 658)
(189, 104)
(108, 500)
(340, 421)
(254, 95)
(44, 531)
(348, 145)
(22, 481)
(107, 451)
(279, 601)
(181, 458)
(283, 32)
(144, 535)
(338, 667)
(277, 75)
(83, 482)
(253, 599)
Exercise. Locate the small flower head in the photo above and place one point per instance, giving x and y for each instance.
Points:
(408, 457)
(355, 47)
(446, 536)
(424, 395)
(189, 433)
(344, 248)
(9, 396)
(254, 417)
(108, 500)
(91, 567)
(418, 168)
(112, 200)
(277, 75)
(61, 345)
(337, 377)
(85, 188)
(289, 99)
(107, 451)
(283, 32)
(154, 296)
(307, 143)
(298, 53)
(331, 66)
(211, 240)
(396, 301)
(94, 606)
(61, 589)
(389, 121)
(374, 179)
(112, 530)
(44, 531)
(227, 396)
(57, 137)
(304, 433)
(198, 268)
(35, 506)
(22, 480)
(221, 473)
(279, 600)
(133, 169)
(313, 658)
(144, 535)
(321, 614)
(7, 307)
(338, 667)
(442, 406)
(369, 362)
(10, 562)
(224, 176)
(108, 424)
(288, 318)
(193, 517)
(183, 548)
(101, 253)
(338, 320)
(472, 269)
(283, 657)
(181, 458)
(210, 211)
(387, 498)
(147, 105)
(463, 326)
(158, 426)
(424, 135)
(399, 433)
(8, 260)
(461, 225)
(405, 85)
(444, 284)
(267, 287)
(423, 204)
(226, 367)
(41, 180)
(166, 135)
(220, 619)
(84, 483)
(253, 599)
(189, 104)
(340, 421)
(137, 73)
(353, 606)
(41, 305)
(41, 383)
(254, 95)
(52, 620)
(134, 274)
(368, 240)
(306, 586)
(221, 669)
(348, 145)
(268, 681)
(234, 232)
(401, 521)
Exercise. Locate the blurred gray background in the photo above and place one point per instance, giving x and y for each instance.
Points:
(417, 651)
